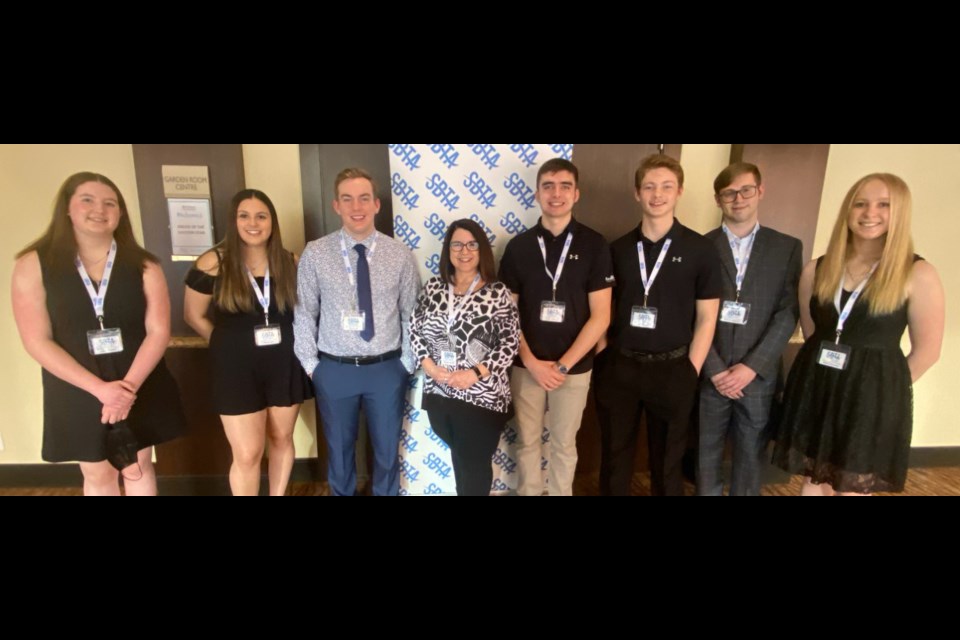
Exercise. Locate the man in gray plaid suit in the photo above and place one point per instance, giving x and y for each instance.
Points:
(758, 314)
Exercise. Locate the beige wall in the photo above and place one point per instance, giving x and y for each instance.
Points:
(275, 170)
(701, 164)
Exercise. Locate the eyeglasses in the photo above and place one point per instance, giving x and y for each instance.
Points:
(746, 193)
(457, 247)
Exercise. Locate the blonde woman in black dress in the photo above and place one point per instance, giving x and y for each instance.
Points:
(848, 406)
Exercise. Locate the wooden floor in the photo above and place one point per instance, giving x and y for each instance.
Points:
(934, 481)
(938, 481)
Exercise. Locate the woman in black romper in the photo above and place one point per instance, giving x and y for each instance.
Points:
(258, 384)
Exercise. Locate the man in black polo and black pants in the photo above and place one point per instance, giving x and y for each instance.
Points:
(665, 311)
(560, 275)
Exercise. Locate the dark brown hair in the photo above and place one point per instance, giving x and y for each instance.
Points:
(556, 165)
(233, 290)
(488, 268)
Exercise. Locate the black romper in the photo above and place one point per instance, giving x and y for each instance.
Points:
(248, 378)
(71, 417)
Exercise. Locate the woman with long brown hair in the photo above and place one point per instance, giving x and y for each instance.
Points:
(250, 280)
(92, 308)
(848, 412)
(466, 333)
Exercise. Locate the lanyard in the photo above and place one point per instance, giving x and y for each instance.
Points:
(346, 256)
(847, 308)
(453, 312)
(742, 248)
(563, 258)
(648, 282)
(97, 296)
(263, 297)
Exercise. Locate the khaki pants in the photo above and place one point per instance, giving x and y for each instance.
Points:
(560, 412)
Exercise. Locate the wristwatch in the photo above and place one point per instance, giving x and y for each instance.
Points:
(562, 368)
(477, 371)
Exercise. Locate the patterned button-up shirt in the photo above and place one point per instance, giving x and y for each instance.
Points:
(325, 293)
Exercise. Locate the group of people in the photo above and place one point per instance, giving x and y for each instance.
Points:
(657, 320)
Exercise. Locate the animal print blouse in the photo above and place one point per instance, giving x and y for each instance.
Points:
(486, 330)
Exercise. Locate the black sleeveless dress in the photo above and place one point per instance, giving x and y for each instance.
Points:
(71, 417)
(850, 428)
(248, 378)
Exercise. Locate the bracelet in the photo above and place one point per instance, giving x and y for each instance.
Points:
(476, 370)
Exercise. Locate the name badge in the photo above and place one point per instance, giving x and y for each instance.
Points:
(104, 341)
(643, 318)
(551, 311)
(734, 312)
(834, 356)
(267, 335)
(353, 321)
(448, 359)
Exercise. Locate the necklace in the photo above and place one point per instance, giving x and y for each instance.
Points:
(256, 268)
(857, 277)
(91, 263)
(459, 290)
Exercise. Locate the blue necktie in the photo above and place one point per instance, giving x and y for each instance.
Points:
(363, 291)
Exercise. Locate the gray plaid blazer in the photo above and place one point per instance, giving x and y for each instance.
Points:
(770, 287)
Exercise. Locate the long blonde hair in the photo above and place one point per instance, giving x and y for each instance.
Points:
(887, 290)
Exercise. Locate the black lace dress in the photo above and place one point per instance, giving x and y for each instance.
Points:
(852, 428)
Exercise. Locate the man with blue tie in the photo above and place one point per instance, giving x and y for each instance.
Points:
(356, 291)
(758, 314)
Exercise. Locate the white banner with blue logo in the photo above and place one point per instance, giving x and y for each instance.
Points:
(433, 185)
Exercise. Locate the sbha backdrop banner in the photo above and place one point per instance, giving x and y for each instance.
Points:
(432, 185)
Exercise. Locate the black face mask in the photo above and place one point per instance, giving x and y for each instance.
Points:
(122, 446)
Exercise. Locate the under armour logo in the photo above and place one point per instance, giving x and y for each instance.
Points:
(678, 259)
(573, 256)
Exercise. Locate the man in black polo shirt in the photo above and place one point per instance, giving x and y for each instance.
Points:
(666, 303)
(561, 276)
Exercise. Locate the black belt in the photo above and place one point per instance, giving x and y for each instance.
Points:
(643, 356)
(362, 360)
